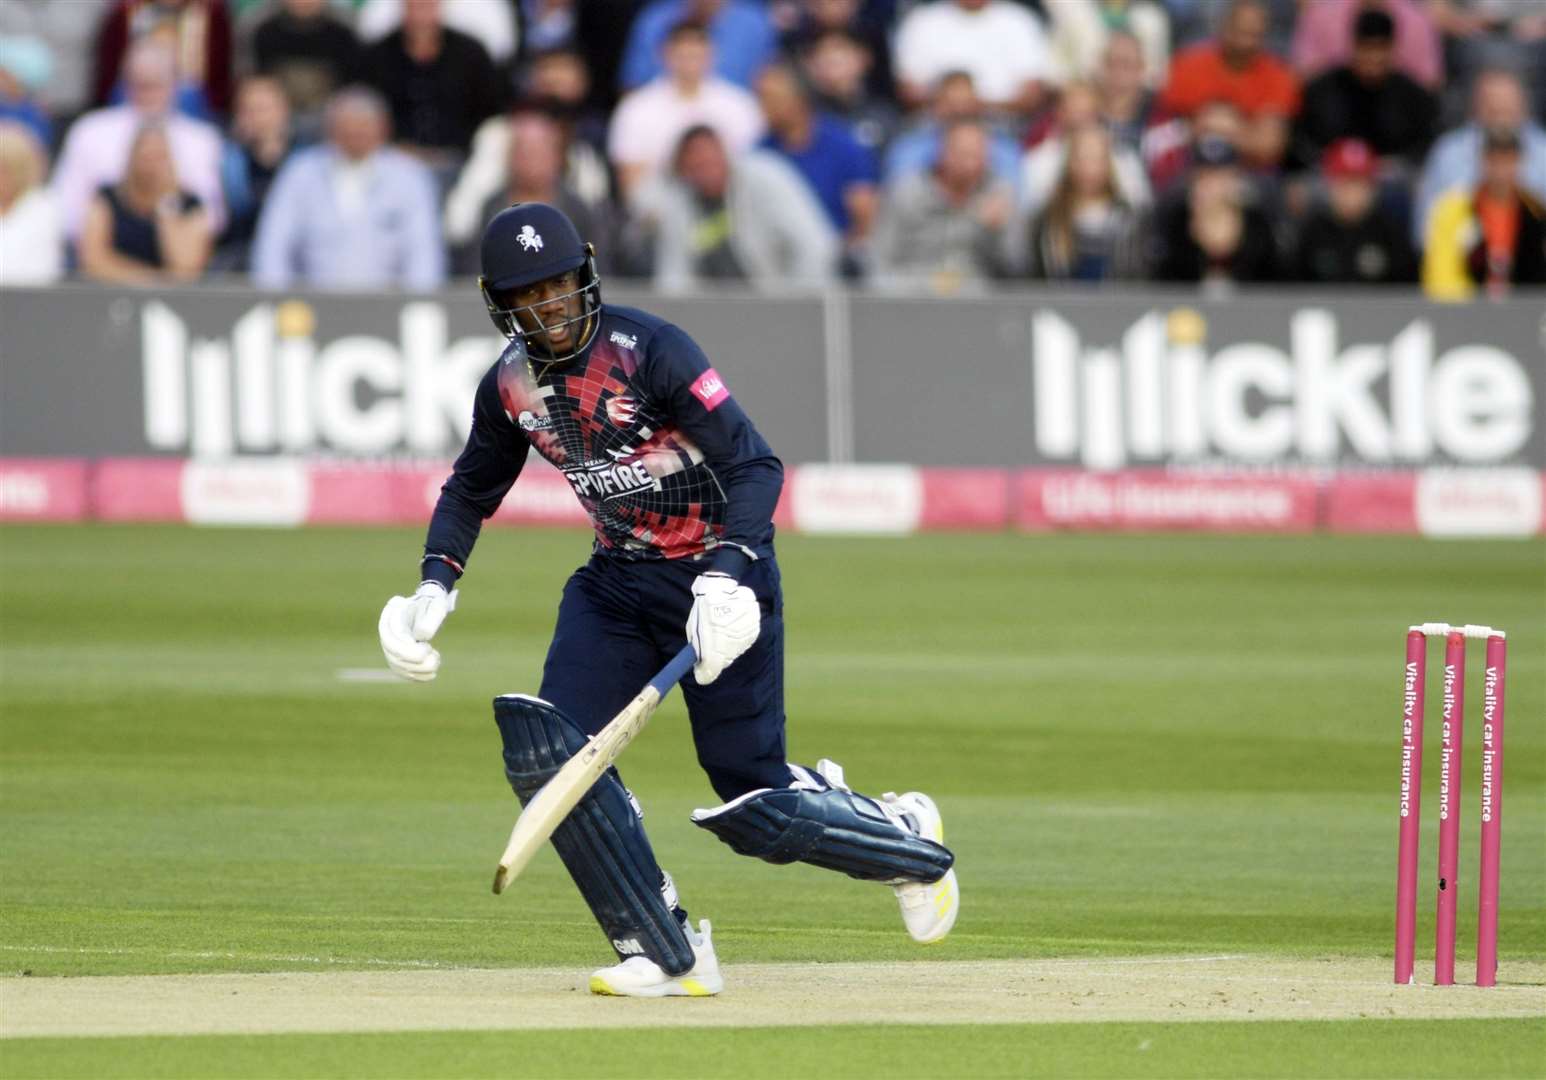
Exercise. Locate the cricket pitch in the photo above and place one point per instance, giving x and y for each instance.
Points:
(1147, 988)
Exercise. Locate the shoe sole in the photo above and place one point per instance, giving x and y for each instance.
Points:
(675, 988)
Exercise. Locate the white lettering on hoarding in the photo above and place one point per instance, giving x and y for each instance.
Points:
(270, 388)
(1164, 396)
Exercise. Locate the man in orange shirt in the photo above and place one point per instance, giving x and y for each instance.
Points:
(1492, 236)
(1234, 67)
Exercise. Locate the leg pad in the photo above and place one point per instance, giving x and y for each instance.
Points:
(601, 842)
(828, 827)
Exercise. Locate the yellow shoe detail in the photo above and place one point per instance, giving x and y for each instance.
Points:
(695, 988)
(598, 985)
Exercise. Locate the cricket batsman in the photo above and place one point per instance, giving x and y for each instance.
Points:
(681, 490)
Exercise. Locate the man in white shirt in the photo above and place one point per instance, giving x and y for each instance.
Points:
(999, 43)
(650, 121)
(352, 213)
(97, 148)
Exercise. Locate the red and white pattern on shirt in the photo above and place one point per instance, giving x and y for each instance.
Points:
(642, 482)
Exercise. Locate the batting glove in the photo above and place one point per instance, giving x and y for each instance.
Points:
(406, 626)
(723, 623)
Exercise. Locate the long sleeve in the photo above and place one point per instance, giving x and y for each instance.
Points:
(426, 254)
(798, 244)
(674, 269)
(276, 238)
(73, 180)
(479, 179)
(678, 374)
(484, 471)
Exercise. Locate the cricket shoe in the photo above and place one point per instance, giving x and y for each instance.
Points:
(639, 976)
(929, 909)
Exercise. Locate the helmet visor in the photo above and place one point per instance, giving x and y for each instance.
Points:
(556, 317)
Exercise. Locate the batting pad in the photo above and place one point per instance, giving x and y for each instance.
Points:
(832, 828)
(601, 842)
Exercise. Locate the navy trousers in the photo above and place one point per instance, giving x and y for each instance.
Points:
(618, 624)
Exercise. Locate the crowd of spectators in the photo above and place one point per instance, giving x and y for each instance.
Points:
(930, 145)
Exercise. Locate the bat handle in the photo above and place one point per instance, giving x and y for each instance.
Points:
(672, 673)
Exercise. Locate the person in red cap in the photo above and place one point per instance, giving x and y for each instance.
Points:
(1348, 237)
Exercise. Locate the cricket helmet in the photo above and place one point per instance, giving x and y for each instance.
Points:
(531, 242)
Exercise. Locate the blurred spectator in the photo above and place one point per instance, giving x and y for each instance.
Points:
(998, 42)
(1089, 231)
(859, 24)
(31, 243)
(534, 172)
(1044, 164)
(915, 150)
(1497, 101)
(749, 219)
(548, 26)
(649, 122)
(1323, 38)
(842, 174)
(310, 52)
(352, 214)
(1168, 147)
(146, 229)
(1368, 99)
(259, 142)
(439, 83)
(836, 65)
(740, 31)
(1126, 102)
(1079, 31)
(96, 149)
(67, 43)
(1350, 238)
(1236, 68)
(491, 23)
(1212, 231)
(198, 32)
(1492, 235)
(584, 173)
(560, 82)
(1482, 34)
(942, 227)
(25, 64)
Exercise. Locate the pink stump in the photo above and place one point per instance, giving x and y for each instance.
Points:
(1492, 810)
(1413, 680)
(1452, 740)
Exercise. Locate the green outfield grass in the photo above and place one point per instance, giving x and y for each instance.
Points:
(1395, 1048)
(1142, 745)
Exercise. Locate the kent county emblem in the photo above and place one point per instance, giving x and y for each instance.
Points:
(530, 240)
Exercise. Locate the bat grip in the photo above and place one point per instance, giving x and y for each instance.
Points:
(672, 673)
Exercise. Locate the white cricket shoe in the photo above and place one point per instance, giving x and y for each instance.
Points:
(639, 976)
(928, 909)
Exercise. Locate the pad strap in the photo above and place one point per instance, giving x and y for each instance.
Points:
(828, 827)
(601, 842)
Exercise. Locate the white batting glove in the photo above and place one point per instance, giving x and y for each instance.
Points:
(407, 623)
(722, 625)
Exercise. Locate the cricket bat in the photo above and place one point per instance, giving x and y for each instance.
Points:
(558, 796)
